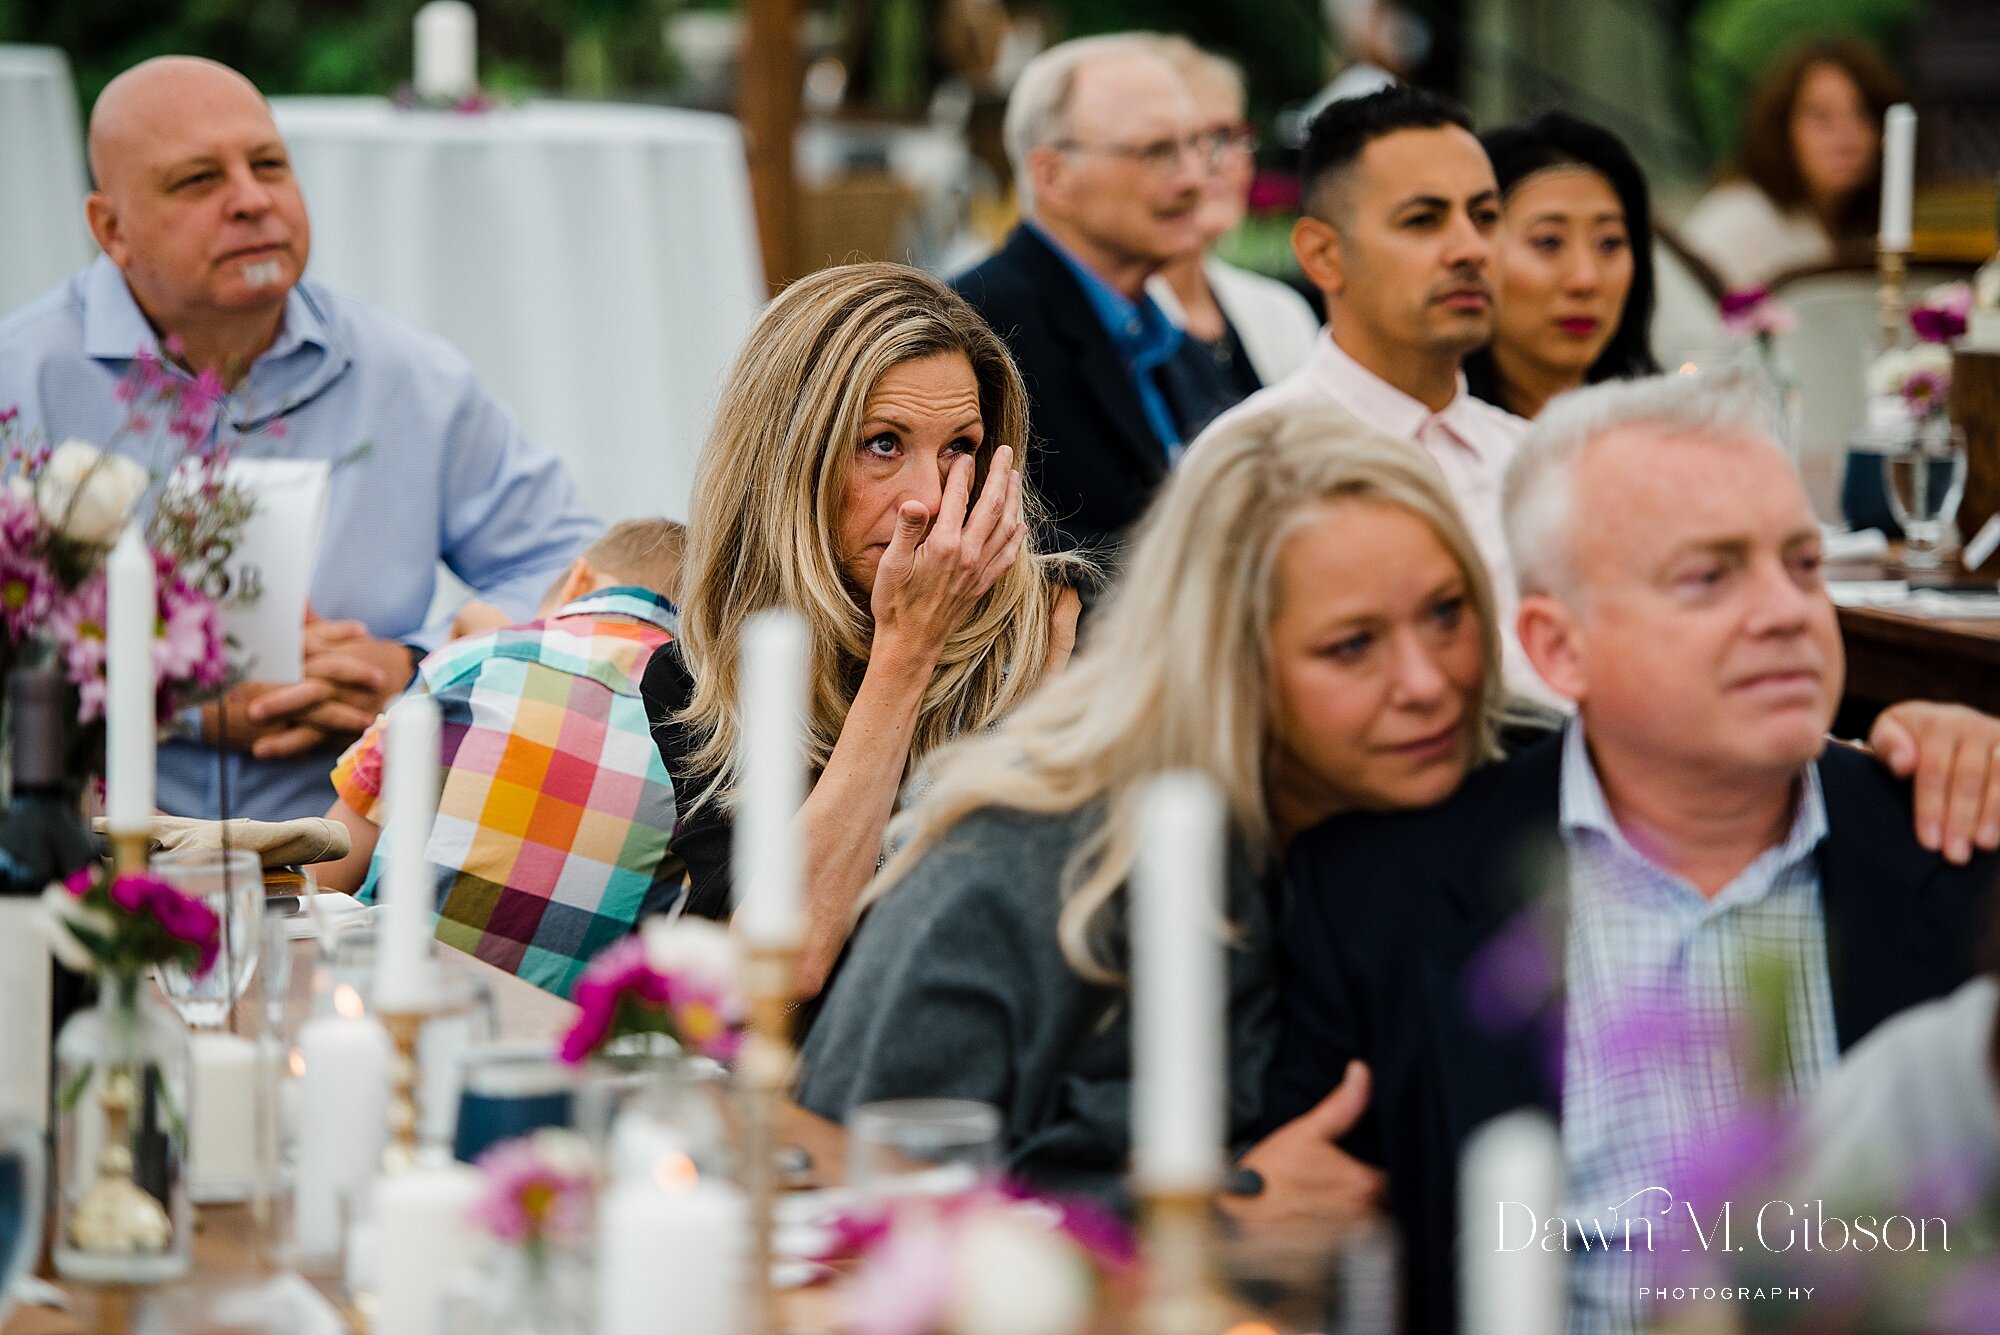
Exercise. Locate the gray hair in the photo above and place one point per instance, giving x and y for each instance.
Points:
(1538, 498)
(1199, 68)
(1038, 106)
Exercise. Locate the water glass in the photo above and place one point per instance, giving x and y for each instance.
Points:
(232, 884)
(1924, 475)
(921, 1147)
(21, 1196)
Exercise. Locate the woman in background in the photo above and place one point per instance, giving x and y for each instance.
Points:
(1805, 187)
(1255, 329)
(1573, 264)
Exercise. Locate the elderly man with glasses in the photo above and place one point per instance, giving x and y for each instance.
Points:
(1110, 157)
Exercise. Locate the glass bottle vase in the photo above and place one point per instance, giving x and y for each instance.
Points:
(122, 1214)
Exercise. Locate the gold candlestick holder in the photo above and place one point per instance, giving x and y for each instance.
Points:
(1178, 1228)
(130, 852)
(405, 1028)
(765, 1069)
(1892, 269)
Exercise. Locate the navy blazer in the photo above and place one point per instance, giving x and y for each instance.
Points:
(1389, 910)
(1095, 461)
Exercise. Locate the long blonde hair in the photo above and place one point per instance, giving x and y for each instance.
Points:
(766, 508)
(1176, 672)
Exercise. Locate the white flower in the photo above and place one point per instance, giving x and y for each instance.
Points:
(1012, 1275)
(1888, 371)
(696, 949)
(60, 908)
(1929, 357)
(1986, 287)
(87, 495)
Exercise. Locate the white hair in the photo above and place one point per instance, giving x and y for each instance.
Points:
(1538, 499)
(1038, 106)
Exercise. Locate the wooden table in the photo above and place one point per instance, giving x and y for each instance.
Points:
(229, 1247)
(1892, 656)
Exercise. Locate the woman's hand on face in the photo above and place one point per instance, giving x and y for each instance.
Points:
(926, 586)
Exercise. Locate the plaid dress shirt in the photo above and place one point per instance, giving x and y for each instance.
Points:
(556, 816)
(1664, 985)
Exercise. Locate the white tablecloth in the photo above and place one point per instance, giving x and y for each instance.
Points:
(43, 236)
(597, 263)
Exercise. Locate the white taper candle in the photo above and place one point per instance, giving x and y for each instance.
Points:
(771, 699)
(1899, 169)
(409, 887)
(1179, 990)
(447, 50)
(1510, 1187)
(131, 726)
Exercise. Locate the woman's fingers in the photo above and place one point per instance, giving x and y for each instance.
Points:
(982, 525)
(950, 523)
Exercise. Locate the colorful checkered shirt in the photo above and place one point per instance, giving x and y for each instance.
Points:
(556, 815)
(1661, 981)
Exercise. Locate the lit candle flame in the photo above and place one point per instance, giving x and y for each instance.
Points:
(298, 1064)
(675, 1173)
(347, 1003)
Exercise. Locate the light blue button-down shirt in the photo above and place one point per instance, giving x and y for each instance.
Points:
(1666, 989)
(1143, 336)
(445, 475)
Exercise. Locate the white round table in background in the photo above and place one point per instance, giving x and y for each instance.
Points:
(43, 237)
(597, 263)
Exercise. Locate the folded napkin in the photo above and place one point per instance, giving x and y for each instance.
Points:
(326, 915)
(1840, 545)
(278, 843)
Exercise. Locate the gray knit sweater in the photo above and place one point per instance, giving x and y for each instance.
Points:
(955, 986)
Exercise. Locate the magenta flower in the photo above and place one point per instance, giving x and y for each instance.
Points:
(618, 977)
(9, 414)
(1935, 324)
(1755, 313)
(621, 993)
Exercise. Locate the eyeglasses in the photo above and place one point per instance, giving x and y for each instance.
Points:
(1161, 156)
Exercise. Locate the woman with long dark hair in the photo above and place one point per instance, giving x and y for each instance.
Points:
(1573, 265)
(1805, 184)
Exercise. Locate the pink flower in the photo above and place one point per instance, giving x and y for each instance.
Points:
(535, 1189)
(27, 590)
(81, 881)
(77, 623)
(905, 1286)
(1927, 391)
(9, 414)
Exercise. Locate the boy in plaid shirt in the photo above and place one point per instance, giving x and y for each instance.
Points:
(555, 820)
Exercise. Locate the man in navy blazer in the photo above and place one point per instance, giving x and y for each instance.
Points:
(1109, 155)
(1688, 827)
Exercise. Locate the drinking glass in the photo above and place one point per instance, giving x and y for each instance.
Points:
(21, 1194)
(232, 884)
(921, 1147)
(1924, 474)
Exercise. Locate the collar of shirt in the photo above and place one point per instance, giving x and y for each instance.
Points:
(1584, 809)
(625, 600)
(1380, 404)
(1140, 330)
(306, 356)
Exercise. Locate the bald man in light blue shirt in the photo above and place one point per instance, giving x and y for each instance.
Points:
(205, 239)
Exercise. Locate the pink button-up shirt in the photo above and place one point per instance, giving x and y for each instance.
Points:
(1471, 441)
